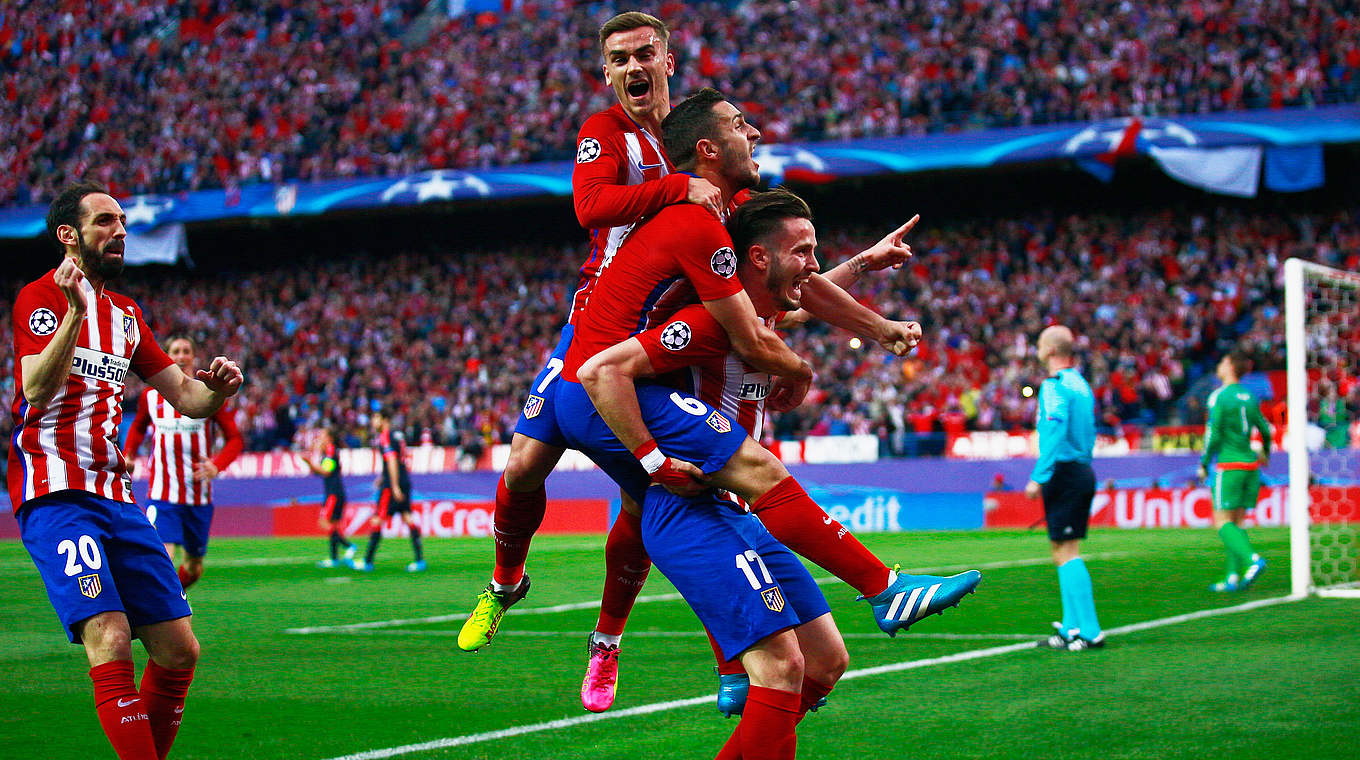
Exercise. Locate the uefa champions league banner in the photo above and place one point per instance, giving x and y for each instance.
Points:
(1291, 132)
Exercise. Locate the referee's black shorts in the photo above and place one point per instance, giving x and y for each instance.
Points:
(1067, 500)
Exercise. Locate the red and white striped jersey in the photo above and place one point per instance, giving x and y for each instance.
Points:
(621, 176)
(72, 443)
(178, 443)
(694, 350)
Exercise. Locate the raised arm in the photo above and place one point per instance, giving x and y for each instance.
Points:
(202, 395)
(45, 371)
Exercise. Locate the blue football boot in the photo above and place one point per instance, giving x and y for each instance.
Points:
(732, 689)
(912, 597)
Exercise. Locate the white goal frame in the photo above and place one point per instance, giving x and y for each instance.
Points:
(1296, 370)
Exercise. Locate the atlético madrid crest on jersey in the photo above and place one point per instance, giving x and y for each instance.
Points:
(532, 407)
(719, 422)
(127, 325)
(773, 599)
(89, 585)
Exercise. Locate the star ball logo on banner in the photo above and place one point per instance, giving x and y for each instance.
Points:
(42, 322)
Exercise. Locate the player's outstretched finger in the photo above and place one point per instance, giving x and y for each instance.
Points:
(905, 228)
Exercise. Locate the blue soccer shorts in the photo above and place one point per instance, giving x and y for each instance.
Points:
(537, 419)
(683, 426)
(742, 583)
(182, 524)
(98, 555)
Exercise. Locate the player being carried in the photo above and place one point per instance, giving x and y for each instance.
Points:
(104, 566)
(182, 464)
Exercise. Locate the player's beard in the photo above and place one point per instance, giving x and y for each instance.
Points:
(95, 262)
(779, 283)
(737, 166)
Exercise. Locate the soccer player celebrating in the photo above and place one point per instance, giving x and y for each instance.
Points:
(106, 571)
(682, 254)
(1234, 412)
(394, 492)
(325, 461)
(1063, 475)
(694, 533)
(179, 495)
(621, 176)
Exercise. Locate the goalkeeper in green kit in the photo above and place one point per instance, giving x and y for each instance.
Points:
(1233, 412)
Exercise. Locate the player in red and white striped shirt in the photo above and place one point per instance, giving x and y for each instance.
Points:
(182, 465)
(105, 569)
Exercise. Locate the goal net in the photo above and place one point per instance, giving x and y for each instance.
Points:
(1322, 334)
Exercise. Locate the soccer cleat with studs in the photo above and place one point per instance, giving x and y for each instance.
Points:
(1227, 585)
(1081, 644)
(913, 597)
(416, 566)
(1258, 563)
(732, 689)
(602, 676)
(1060, 639)
(485, 619)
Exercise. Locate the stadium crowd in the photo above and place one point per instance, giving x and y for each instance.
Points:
(193, 94)
(452, 338)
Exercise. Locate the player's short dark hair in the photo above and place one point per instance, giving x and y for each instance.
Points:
(687, 124)
(65, 208)
(627, 22)
(1241, 363)
(757, 218)
(181, 336)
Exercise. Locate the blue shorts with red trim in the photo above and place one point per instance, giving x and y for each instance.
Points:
(536, 418)
(742, 583)
(182, 524)
(683, 426)
(98, 555)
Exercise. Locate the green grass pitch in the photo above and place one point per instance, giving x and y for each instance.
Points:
(1280, 680)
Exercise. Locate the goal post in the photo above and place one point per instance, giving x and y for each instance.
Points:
(1322, 339)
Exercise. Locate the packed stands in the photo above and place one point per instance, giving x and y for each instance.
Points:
(177, 95)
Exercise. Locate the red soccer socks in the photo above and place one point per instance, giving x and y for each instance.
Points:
(163, 691)
(122, 711)
(796, 520)
(626, 565)
(518, 515)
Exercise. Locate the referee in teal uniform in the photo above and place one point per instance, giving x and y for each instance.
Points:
(1063, 475)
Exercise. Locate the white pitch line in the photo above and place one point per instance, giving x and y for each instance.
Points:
(672, 597)
(974, 654)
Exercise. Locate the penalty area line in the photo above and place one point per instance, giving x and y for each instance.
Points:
(974, 654)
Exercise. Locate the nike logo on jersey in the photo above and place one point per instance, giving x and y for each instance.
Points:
(826, 519)
(126, 702)
(645, 167)
(179, 709)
